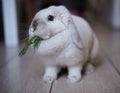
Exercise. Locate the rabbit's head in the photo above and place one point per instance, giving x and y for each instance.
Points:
(52, 21)
(47, 22)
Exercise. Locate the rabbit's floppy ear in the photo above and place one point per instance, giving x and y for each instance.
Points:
(67, 20)
(75, 34)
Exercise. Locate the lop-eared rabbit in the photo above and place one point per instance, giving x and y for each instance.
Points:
(67, 40)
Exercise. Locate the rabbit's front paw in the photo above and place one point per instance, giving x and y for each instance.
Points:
(74, 78)
(49, 78)
(74, 74)
(50, 74)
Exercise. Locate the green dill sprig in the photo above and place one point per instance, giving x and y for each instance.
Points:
(35, 41)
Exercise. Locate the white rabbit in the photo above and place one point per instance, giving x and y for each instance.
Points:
(67, 41)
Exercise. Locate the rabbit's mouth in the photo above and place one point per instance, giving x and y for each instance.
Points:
(44, 36)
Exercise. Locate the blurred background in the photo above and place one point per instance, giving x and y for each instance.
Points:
(21, 13)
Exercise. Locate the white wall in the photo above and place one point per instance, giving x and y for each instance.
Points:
(10, 22)
(116, 14)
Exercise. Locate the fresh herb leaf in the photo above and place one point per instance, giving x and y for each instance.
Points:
(34, 40)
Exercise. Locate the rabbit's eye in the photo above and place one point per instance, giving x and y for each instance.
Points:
(50, 17)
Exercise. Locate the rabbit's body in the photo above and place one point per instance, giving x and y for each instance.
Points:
(60, 51)
(68, 41)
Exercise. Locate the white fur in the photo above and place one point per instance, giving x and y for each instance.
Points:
(50, 74)
(74, 73)
(68, 41)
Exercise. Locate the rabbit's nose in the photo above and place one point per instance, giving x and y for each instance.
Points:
(34, 24)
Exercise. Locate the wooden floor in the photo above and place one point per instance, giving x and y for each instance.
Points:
(24, 75)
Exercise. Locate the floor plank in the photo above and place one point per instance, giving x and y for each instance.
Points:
(110, 42)
(7, 54)
(104, 80)
(23, 75)
(115, 60)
